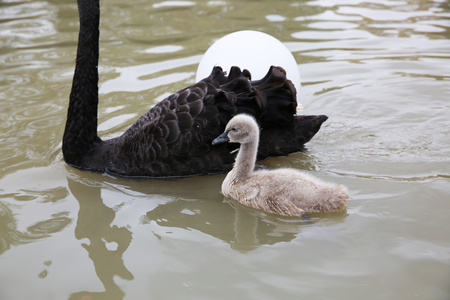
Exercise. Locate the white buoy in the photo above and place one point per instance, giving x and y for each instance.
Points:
(252, 50)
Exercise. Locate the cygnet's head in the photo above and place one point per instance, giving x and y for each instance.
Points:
(241, 129)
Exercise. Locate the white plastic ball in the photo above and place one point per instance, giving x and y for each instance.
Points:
(252, 50)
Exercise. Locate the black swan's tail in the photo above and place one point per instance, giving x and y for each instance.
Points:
(282, 141)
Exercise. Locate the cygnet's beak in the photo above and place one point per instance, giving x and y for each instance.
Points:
(223, 138)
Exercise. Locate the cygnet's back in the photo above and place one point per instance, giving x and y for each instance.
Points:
(287, 192)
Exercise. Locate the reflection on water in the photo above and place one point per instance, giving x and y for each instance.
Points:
(244, 230)
(379, 69)
(192, 207)
(107, 242)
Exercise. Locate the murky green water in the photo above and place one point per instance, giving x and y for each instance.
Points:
(378, 69)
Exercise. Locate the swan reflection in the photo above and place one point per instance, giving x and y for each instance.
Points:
(242, 228)
(107, 242)
(193, 205)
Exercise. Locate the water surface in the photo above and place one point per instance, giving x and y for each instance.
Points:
(378, 69)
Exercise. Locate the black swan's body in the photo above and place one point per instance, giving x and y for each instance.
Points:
(174, 137)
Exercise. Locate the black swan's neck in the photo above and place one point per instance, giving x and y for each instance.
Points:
(80, 135)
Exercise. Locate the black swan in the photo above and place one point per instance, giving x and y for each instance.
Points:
(174, 138)
(287, 192)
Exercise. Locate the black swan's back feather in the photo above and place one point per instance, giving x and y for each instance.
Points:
(174, 137)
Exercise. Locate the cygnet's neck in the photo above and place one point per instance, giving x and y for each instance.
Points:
(245, 160)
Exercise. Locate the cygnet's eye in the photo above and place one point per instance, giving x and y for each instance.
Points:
(233, 129)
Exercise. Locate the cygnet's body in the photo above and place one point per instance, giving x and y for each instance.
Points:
(287, 192)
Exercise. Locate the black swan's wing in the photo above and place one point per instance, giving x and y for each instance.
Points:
(174, 137)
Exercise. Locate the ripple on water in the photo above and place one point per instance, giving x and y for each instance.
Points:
(52, 225)
(11, 235)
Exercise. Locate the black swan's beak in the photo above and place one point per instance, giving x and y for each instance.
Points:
(223, 138)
